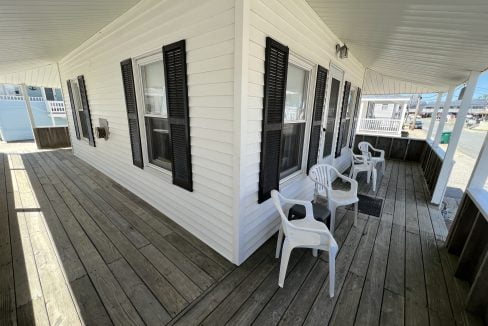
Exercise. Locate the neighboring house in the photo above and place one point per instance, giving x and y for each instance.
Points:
(47, 109)
(183, 86)
(478, 107)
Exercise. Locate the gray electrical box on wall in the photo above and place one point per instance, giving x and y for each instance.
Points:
(102, 130)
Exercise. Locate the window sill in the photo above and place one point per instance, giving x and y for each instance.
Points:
(291, 178)
(158, 172)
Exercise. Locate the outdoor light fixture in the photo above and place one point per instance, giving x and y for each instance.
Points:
(342, 51)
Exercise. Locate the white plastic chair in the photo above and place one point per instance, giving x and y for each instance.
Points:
(365, 148)
(303, 233)
(321, 174)
(360, 163)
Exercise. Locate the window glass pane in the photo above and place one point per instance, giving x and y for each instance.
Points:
(295, 120)
(291, 148)
(158, 146)
(153, 83)
(296, 90)
(79, 108)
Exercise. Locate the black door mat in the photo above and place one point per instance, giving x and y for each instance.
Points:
(369, 205)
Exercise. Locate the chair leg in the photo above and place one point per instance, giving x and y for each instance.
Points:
(285, 257)
(383, 166)
(356, 204)
(315, 252)
(279, 242)
(332, 208)
(369, 176)
(374, 179)
(332, 256)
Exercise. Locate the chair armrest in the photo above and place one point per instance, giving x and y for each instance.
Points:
(382, 152)
(326, 232)
(354, 183)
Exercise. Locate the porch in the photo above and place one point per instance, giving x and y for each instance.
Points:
(77, 247)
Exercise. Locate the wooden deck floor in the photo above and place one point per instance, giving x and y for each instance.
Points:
(76, 248)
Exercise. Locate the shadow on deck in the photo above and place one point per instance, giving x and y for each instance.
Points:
(78, 248)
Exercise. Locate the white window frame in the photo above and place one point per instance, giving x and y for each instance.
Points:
(150, 57)
(75, 90)
(311, 68)
(355, 88)
(337, 73)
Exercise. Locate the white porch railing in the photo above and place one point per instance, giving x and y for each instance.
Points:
(380, 126)
(56, 107)
(20, 98)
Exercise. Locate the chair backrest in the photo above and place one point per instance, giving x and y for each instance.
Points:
(364, 148)
(277, 198)
(322, 176)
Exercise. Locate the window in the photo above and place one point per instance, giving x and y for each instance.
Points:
(331, 116)
(82, 123)
(348, 118)
(295, 119)
(154, 113)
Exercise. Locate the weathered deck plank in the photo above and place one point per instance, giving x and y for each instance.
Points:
(123, 260)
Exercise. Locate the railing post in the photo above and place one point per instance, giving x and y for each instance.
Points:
(434, 115)
(448, 162)
(445, 112)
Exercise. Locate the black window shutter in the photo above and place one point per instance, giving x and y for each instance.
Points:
(318, 109)
(275, 74)
(73, 110)
(86, 110)
(354, 118)
(342, 118)
(132, 115)
(174, 57)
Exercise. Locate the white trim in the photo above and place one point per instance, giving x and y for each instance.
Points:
(241, 70)
(310, 67)
(338, 74)
(138, 62)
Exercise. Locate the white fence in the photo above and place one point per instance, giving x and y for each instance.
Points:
(56, 107)
(380, 126)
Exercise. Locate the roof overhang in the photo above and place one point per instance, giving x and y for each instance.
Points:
(423, 45)
(36, 34)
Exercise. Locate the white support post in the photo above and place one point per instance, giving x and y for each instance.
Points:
(417, 107)
(434, 115)
(28, 106)
(448, 163)
(360, 115)
(402, 117)
(480, 171)
(445, 112)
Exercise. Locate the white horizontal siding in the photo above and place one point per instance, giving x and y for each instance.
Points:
(208, 27)
(296, 25)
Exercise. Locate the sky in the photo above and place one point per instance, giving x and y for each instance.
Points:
(481, 89)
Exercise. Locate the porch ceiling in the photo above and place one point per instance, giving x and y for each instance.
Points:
(431, 43)
(38, 33)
